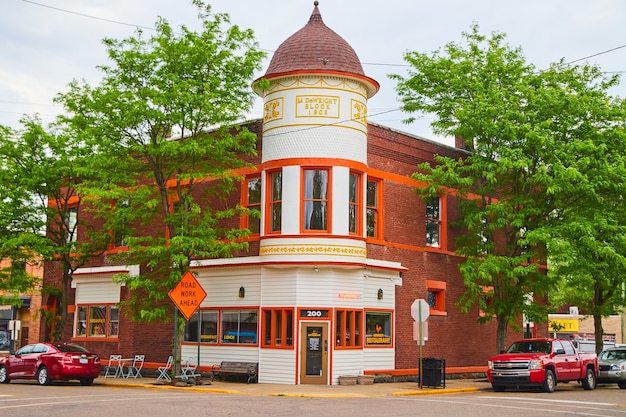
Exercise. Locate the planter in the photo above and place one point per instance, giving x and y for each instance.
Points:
(347, 380)
(365, 379)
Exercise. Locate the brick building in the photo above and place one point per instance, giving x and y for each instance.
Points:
(343, 248)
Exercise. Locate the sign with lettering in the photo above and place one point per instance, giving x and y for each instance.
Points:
(317, 106)
(188, 294)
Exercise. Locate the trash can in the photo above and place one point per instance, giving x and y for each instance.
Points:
(433, 372)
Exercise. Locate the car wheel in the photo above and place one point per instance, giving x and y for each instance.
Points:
(43, 377)
(498, 388)
(622, 384)
(86, 381)
(589, 382)
(4, 375)
(550, 382)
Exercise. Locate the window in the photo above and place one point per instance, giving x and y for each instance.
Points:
(315, 199)
(239, 326)
(278, 327)
(378, 325)
(97, 321)
(253, 202)
(348, 326)
(436, 291)
(373, 208)
(121, 230)
(433, 222)
(274, 201)
(354, 204)
(223, 326)
(70, 222)
(208, 327)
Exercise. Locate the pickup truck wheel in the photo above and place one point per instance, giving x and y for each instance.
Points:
(589, 382)
(550, 382)
(622, 384)
(498, 388)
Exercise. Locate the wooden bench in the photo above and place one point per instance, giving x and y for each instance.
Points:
(250, 370)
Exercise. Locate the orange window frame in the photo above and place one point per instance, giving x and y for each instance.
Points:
(376, 209)
(277, 325)
(271, 200)
(245, 201)
(348, 328)
(438, 288)
(327, 200)
(104, 326)
(356, 204)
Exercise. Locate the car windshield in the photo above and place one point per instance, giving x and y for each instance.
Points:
(612, 354)
(71, 348)
(529, 347)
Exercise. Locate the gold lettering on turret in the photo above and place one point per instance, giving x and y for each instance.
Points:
(273, 110)
(359, 112)
(317, 106)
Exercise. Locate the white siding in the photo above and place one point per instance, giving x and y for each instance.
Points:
(380, 358)
(347, 362)
(281, 363)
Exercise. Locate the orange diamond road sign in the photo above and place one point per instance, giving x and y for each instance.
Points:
(187, 294)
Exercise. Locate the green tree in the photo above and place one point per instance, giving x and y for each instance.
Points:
(183, 82)
(39, 172)
(520, 127)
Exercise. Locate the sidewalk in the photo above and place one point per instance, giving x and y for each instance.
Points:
(328, 391)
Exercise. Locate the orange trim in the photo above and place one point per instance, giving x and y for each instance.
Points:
(315, 162)
(415, 371)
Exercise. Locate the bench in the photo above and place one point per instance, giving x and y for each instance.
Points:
(250, 370)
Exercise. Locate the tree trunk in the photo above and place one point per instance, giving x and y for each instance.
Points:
(501, 334)
(598, 331)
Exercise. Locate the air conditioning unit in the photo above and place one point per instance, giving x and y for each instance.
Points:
(573, 311)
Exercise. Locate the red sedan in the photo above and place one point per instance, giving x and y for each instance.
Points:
(46, 362)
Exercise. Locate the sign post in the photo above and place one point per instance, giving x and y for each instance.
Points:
(420, 310)
(187, 295)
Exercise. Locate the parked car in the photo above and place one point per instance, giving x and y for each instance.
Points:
(612, 364)
(5, 342)
(542, 363)
(46, 362)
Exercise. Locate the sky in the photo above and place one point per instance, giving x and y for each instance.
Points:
(45, 44)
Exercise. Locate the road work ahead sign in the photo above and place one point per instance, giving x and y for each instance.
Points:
(187, 295)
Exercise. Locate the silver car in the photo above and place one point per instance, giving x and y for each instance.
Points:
(612, 364)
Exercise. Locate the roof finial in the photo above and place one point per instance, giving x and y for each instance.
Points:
(316, 3)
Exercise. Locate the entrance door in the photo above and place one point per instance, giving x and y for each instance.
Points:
(314, 353)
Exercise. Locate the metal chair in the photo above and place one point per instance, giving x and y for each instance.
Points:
(134, 370)
(113, 367)
(164, 371)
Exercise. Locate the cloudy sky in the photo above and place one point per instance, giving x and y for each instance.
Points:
(44, 44)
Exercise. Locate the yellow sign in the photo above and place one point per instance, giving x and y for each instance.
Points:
(187, 295)
(564, 325)
(317, 106)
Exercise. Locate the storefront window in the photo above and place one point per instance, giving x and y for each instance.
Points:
(278, 327)
(348, 325)
(379, 329)
(239, 326)
(208, 327)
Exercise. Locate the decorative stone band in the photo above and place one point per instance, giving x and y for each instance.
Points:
(313, 249)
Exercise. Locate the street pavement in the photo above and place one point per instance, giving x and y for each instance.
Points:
(381, 389)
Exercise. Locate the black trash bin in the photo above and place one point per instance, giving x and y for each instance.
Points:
(433, 372)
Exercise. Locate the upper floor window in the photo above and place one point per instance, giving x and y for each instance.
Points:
(274, 201)
(373, 208)
(433, 222)
(70, 222)
(316, 199)
(121, 230)
(354, 203)
(253, 202)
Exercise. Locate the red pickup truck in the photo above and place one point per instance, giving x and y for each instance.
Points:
(542, 363)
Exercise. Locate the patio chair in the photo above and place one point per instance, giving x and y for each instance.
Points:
(164, 371)
(134, 370)
(113, 367)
